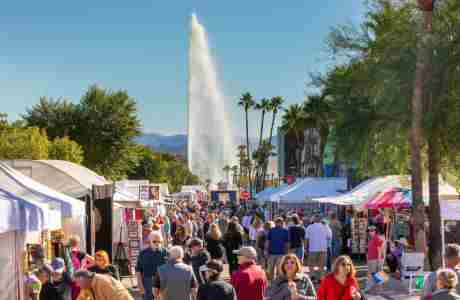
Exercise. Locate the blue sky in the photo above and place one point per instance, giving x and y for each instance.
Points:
(58, 48)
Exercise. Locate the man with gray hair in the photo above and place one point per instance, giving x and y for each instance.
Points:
(148, 262)
(452, 261)
(175, 280)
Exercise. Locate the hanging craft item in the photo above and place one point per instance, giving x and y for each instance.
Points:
(134, 244)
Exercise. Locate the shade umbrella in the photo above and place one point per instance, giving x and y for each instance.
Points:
(391, 198)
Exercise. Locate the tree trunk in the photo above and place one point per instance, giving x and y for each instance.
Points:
(416, 137)
(248, 153)
(265, 168)
(435, 249)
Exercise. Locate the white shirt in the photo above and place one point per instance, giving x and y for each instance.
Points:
(318, 236)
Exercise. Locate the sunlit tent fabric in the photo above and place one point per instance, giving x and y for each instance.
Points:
(66, 177)
(391, 198)
(21, 221)
(311, 188)
(265, 194)
(364, 192)
(64, 210)
(275, 197)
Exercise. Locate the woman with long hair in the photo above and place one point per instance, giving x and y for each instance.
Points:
(214, 243)
(233, 240)
(341, 283)
(102, 265)
(291, 283)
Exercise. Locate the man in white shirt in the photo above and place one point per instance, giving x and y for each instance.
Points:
(317, 237)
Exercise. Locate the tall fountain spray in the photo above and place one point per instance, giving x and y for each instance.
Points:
(210, 145)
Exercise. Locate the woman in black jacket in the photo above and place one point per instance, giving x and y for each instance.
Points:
(233, 240)
(214, 243)
(215, 288)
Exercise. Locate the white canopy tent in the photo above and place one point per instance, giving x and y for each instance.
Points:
(62, 207)
(364, 192)
(314, 187)
(26, 209)
(19, 218)
(308, 188)
(66, 177)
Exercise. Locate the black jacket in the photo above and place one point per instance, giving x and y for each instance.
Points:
(216, 290)
(196, 262)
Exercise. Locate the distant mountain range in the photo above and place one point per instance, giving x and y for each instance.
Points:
(174, 144)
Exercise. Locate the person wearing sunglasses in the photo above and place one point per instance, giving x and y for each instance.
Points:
(148, 262)
(292, 283)
(341, 283)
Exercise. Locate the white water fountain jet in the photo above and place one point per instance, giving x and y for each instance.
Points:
(210, 145)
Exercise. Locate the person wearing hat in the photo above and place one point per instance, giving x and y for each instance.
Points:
(215, 288)
(59, 287)
(249, 281)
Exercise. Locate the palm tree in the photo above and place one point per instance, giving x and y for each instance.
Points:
(227, 170)
(247, 102)
(276, 104)
(265, 106)
(235, 173)
(318, 115)
(294, 121)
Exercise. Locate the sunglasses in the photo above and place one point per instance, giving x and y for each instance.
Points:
(156, 242)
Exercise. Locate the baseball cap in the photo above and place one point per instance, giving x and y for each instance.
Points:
(57, 265)
(248, 252)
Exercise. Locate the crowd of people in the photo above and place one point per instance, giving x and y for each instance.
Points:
(288, 257)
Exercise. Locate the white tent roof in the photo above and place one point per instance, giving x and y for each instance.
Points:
(23, 215)
(66, 177)
(265, 194)
(361, 194)
(17, 184)
(193, 188)
(310, 188)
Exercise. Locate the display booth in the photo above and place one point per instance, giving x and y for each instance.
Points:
(450, 212)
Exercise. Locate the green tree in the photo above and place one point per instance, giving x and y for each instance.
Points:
(65, 149)
(109, 122)
(247, 102)
(235, 174)
(293, 121)
(227, 170)
(318, 114)
(23, 143)
(59, 117)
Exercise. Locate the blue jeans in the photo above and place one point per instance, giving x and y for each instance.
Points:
(336, 247)
(148, 287)
(300, 253)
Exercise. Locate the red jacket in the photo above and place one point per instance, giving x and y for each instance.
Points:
(330, 288)
(249, 282)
